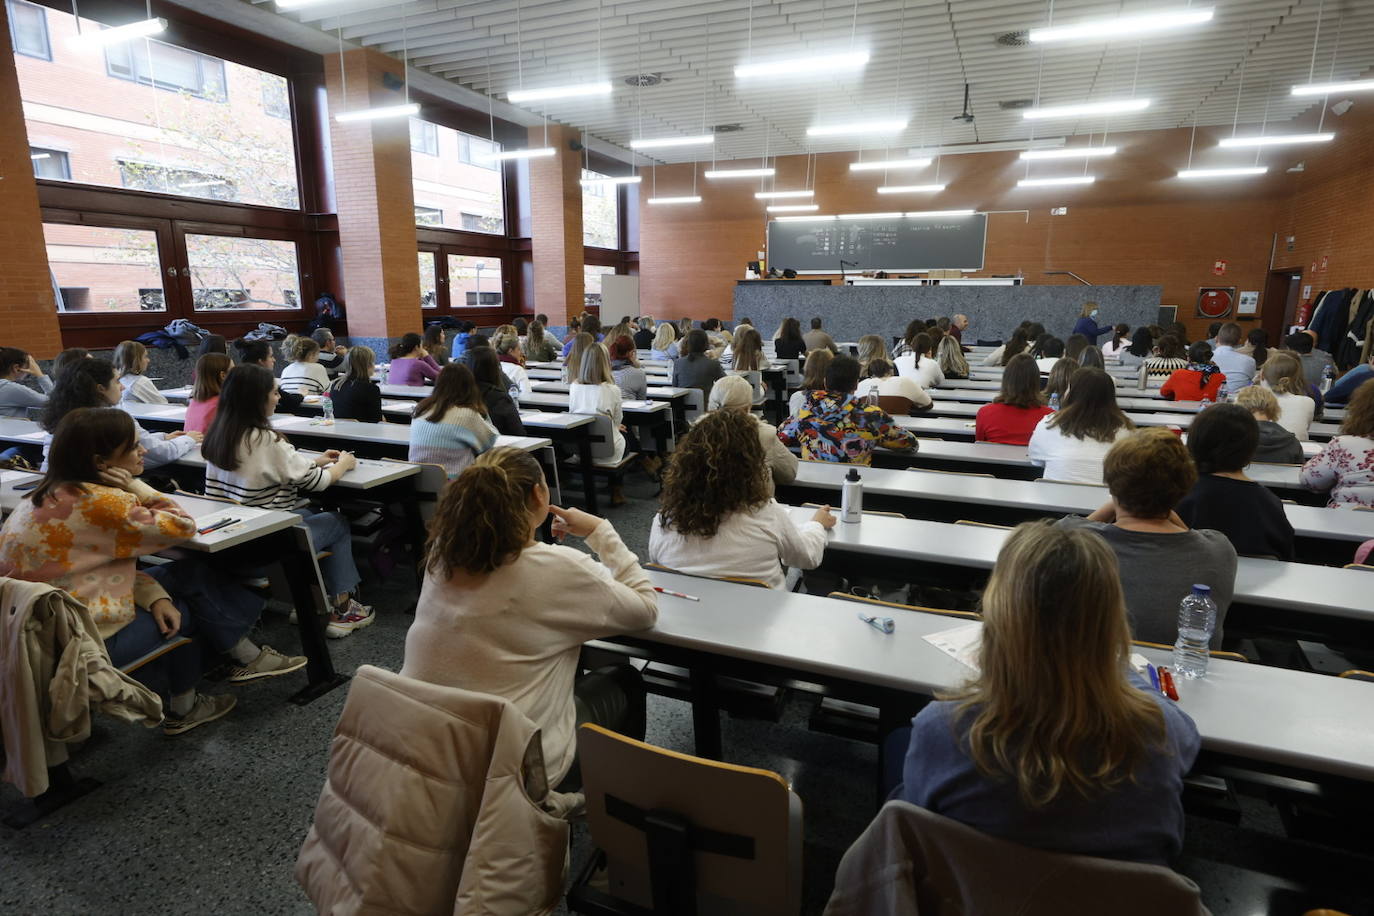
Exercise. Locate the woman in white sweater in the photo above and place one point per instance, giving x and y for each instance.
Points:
(1282, 374)
(1071, 443)
(718, 517)
(501, 613)
(246, 460)
(130, 362)
(304, 375)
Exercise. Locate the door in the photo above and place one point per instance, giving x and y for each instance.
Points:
(1279, 307)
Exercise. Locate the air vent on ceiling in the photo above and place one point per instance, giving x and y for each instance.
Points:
(728, 128)
(644, 79)
(1017, 39)
(1015, 104)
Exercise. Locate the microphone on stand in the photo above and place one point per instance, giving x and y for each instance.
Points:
(843, 264)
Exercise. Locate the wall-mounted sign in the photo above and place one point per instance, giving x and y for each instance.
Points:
(1219, 267)
(1248, 303)
(1326, 259)
(1307, 292)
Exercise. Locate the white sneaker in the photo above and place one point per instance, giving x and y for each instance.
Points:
(352, 616)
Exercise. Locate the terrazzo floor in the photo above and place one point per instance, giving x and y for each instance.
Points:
(210, 822)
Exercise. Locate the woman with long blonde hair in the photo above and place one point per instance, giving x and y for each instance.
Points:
(1077, 756)
(871, 347)
(1282, 374)
(950, 355)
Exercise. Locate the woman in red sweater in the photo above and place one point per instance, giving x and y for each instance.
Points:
(1199, 379)
(1012, 415)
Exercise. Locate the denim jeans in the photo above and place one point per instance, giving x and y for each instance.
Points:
(329, 531)
(216, 608)
(173, 673)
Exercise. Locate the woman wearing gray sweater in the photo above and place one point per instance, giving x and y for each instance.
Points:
(16, 399)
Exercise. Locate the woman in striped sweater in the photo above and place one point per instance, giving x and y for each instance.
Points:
(250, 462)
(450, 427)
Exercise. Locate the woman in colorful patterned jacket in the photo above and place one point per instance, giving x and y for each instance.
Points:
(834, 425)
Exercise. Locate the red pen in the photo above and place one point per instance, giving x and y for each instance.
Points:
(1167, 680)
(664, 591)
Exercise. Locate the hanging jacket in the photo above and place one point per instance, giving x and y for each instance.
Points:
(1354, 348)
(436, 801)
(53, 669)
(1331, 319)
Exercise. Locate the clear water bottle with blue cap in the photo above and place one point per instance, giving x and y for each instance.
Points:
(1054, 401)
(1197, 618)
(873, 399)
(327, 408)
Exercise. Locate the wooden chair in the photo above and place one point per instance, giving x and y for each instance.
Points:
(954, 473)
(876, 603)
(603, 452)
(895, 405)
(1356, 674)
(1365, 566)
(875, 512)
(1214, 653)
(681, 835)
(973, 524)
(1066, 483)
(738, 580)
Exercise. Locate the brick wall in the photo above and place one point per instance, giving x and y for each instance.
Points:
(27, 309)
(556, 225)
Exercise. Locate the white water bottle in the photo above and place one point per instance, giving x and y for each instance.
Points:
(1197, 617)
(852, 497)
(327, 408)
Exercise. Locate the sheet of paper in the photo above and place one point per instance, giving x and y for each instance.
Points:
(960, 643)
(36, 436)
(174, 411)
(280, 421)
(14, 476)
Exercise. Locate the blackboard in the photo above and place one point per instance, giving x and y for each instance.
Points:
(892, 244)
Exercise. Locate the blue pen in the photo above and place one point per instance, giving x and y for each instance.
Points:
(1154, 676)
(882, 624)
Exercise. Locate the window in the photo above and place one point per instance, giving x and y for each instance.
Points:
(29, 29)
(429, 216)
(232, 272)
(167, 67)
(99, 269)
(148, 176)
(276, 98)
(424, 137)
(476, 151)
(466, 195)
(591, 280)
(600, 213)
(429, 296)
(50, 163)
(474, 281)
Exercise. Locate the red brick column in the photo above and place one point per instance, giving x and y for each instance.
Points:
(556, 217)
(28, 311)
(375, 201)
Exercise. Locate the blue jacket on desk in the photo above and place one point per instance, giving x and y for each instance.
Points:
(1089, 329)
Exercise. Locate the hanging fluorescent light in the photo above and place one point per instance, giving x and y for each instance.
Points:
(1054, 182)
(868, 216)
(1070, 152)
(1332, 88)
(939, 214)
(610, 180)
(780, 195)
(739, 173)
(297, 4)
(1277, 139)
(857, 127)
(1001, 146)
(1123, 26)
(385, 111)
(98, 38)
(1118, 106)
(878, 165)
(557, 92)
(663, 142)
(538, 152)
(793, 208)
(674, 200)
(911, 189)
(815, 66)
(1224, 173)
(797, 219)
(37, 156)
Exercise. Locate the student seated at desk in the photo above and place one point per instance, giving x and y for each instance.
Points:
(1222, 440)
(16, 400)
(540, 346)
(835, 425)
(131, 362)
(82, 530)
(251, 463)
(572, 363)
(813, 379)
(1345, 467)
(331, 354)
(94, 383)
(1170, 355)
(450, 427)
(696, 368)
(595, 392)
(738, 529)
(1019, 406)
(1299, 405)
(68, 358)
(355, 395)
(411, 364)
(1003, 355)
(1142, 346)
(1341, 392)
(871, 347)
(1078, 755)
(735, 394)
(1148, 473)
(504, 614)
(1239, 368)
(512, 361)
(633, 383)
(1276, 445)
(1112, 349)
(890, 384)
(210, 372)
(1198, 380)
(789, 344)
(304, 375)
(1070, 444)
(1047, 351)
(496, 390)
(665, 342)
(259, 353)
(435, 342)
(918, 364)
(950, 356)
(589, 324)
(1075, 345)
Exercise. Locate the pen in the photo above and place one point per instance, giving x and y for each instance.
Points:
(883, 624)
(1154, 676)
(664, 591)
(1168, 680)
(222, 523)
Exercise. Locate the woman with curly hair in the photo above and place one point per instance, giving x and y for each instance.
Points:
(717, 516)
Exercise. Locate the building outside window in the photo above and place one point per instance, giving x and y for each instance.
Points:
(50, 163)
(165, 66)
(276, 100)
(428, 216)
(467, 194)
(600, 213)
(29, 29)
(476, 151)
(474, 281)
(424, 137)
(101, 269)
(591, 280)
(149, 176)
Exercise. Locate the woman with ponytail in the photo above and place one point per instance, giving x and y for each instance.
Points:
(504, 614)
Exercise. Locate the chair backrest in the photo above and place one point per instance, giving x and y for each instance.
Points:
(696, 406)
(429, 484)
(1067, 483)
(738, 580)
(973, 524)
(1356, 674)
(895, 405)
(755, 379)
(603, 438)
(1214, 653)
(678, 830)
(1365, 566)
(875, 602)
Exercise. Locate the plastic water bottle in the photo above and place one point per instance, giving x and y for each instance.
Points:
(327, 408)
(1328, 376)
(852, 497)
(1054, 401)
(384, 371)
(873, 395)
(1204, 403)
(1197, 617)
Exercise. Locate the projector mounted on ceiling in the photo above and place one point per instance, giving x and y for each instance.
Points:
(966, 116)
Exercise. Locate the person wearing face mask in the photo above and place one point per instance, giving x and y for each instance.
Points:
(1087, 324)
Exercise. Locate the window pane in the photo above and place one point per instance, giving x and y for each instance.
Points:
(49, 163)
(105, 270)
(474, 281)
(463, 193)
(427, 284)
(155, 117)
(591, 279)
(600, 217)
(28, 29)
(237, 273)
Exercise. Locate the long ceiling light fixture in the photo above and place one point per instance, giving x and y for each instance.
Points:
(856, 127)
(794, 208)
(1123, 26)
(384, 111)
(1070, 152)
(739, 173)
(1088, 109)
(798, 219)
(781, 195)
(824, 65)
(549, 93)
(911, 189)
(1333, 88)
(538, 152)
(1276, 140)
(665, 142)
(880, 165)
(1239, 172)
(868, 216)
(689, 199)
(939, 214)
(1054, 182)
(297, 4)
(607, 180)
(406, 109)
(101, 38)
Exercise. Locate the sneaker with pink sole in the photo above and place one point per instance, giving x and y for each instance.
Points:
(348, 618)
